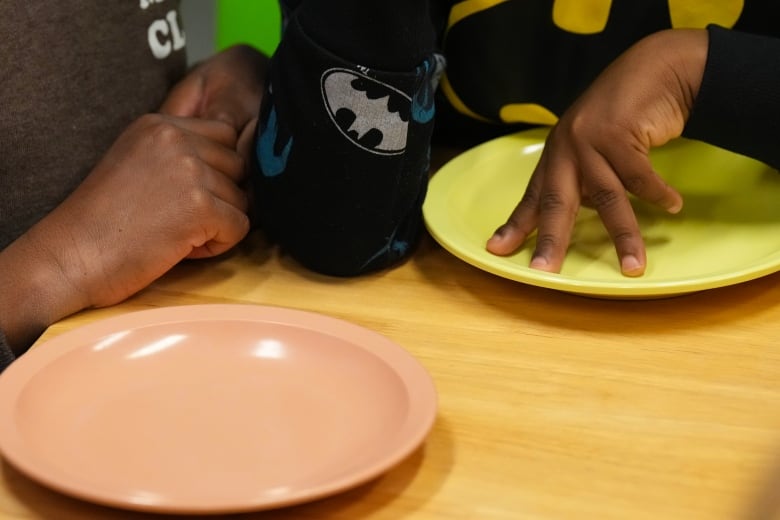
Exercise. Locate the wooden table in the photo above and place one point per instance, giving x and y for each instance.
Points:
(552, 406)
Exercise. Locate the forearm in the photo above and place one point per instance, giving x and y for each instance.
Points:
(738, 104)
(35, 293)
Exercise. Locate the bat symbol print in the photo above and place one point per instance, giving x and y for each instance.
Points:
(371, 114)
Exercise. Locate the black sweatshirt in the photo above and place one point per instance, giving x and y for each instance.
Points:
(345, 132)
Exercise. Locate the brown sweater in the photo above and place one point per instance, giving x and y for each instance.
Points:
(72, 76)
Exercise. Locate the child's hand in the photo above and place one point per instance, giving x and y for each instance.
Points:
(171, 187)
(226, 87)
(167, 189)
(599, 150)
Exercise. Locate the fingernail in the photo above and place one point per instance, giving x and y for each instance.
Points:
(539, 262)
(676, 208)
(630, 265)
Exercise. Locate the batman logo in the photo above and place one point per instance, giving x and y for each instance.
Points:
(371, 114)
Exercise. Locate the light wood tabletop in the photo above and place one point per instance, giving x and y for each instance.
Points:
(551, 406)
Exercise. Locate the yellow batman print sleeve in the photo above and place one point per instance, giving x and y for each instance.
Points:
(525, 61)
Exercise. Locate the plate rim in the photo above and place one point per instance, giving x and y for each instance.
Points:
(423, 408)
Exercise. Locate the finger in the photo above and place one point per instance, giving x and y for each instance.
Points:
(217, 131)
(559, 202)
(189, 99)
(227, 229)
(184, 98)
(228, 107)
(638, 177)
(226, 190)
(608, 197)
(523, 219)
(221, 158)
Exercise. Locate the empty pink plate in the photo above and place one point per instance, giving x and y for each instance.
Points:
(213, 409)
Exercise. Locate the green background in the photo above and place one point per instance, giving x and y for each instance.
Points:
(256, 22)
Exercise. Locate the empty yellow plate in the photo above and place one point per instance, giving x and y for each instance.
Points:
(728, 231)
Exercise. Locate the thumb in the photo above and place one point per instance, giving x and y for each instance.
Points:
(185, 98)
(227, 106)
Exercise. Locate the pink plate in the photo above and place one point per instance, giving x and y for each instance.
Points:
(213, 409)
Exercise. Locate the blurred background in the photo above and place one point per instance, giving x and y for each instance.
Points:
(212, 25)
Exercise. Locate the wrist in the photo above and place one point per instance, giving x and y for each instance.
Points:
(687, 51)
(36, 291)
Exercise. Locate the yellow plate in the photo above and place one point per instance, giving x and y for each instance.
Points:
(728, 231)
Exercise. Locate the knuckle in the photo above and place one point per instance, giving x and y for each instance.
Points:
(623, 237)
(189, 165)
(546, 242)
(577, 124)
(551, 202)
(189, 168)
(166, 133)
(635, 184)
(530, 197)
(224, 116)
(200, 202)
(604, 198)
